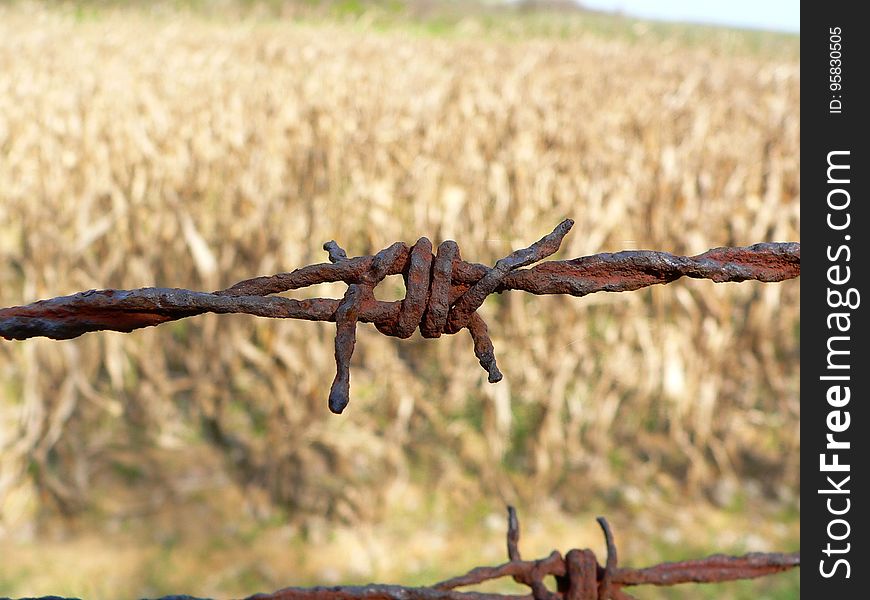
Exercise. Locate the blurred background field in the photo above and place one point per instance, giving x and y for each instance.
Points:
(195, 144)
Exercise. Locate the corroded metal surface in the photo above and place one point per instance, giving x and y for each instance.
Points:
(443, 293)
(578, 576)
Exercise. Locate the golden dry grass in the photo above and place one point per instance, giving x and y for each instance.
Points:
(148, 150)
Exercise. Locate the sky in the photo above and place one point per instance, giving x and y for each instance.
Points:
(778, 15)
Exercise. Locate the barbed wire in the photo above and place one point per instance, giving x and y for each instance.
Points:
(577, 574)
(443, 293)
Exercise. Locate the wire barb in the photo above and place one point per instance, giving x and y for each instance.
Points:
(443, 293)
(604, 590)
(579, 576)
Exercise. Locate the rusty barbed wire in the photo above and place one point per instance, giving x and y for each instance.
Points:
(443, 293)
(578, 576)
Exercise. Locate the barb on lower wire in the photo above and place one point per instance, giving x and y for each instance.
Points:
(443, 293)
(578, 576)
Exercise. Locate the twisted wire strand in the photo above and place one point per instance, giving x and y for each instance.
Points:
(443, 293)
(579, 576)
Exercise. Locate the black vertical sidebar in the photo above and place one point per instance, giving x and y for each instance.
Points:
(835, 425)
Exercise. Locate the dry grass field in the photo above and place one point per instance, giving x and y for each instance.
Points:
(182, 149)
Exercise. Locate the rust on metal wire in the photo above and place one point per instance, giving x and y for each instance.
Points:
(443, 293)
(578, 575)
